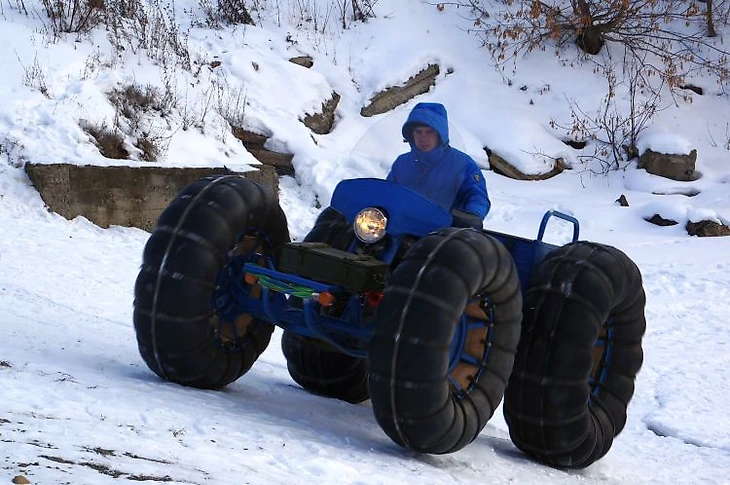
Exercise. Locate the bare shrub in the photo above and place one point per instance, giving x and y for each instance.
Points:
(73, 16)
(613, 131)
(13, 151)
(18, 5)
(137, 109)
(188, 114)
(320, 16)
(355, 11)
(34, 76)
(93, 64)
(134, 102)
(309, 14)
(109, 140)
(725, 140)
(222, 13)
(229, 101)
(151, 27)
(150, 146)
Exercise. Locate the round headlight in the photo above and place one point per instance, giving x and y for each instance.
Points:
(370, 225)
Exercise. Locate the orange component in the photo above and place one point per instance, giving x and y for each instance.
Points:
(326, 298)
(250, 279)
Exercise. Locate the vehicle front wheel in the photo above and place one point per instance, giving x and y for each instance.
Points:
(182, 336)
(445, 338)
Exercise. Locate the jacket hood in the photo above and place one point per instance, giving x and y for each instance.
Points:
(430, 114)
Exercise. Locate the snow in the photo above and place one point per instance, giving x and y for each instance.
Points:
(78, 405)
(663, 142)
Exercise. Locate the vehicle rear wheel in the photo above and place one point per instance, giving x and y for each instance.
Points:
(181, 334)
(445, 338)
(578, 356)
(313, 364)
(322, 370)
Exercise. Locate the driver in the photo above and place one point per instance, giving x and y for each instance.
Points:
(436, 170)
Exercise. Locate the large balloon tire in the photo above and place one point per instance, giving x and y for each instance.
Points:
(567, 397)
(313, 364)
(179, 335)
(411, 354)
(323, 370)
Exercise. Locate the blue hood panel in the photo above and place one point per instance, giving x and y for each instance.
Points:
(407, 211)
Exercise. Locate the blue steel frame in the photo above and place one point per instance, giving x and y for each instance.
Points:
(409, 215)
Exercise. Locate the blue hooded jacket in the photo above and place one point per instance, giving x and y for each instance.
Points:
(447, 176)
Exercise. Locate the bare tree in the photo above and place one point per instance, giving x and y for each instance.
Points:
(673, 32)
(356, 10)
(710, 19)
(614, 131)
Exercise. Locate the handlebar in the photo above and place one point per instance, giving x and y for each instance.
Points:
(559, 215)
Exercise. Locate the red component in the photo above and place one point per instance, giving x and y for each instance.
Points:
(373, 298)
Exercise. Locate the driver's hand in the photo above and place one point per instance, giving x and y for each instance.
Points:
(465, 219)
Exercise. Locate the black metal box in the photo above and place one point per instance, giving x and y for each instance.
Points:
(320, 262)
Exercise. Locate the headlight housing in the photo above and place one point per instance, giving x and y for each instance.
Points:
(370, 224)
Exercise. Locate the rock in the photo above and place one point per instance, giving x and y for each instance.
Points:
(707, 228)
(577, 144)
(693, 88)
(685, 192)
(394, 96)
(623, 201)
(672, 166)
(503, 167)
(254, 143)
(20, 479)
(249, 138)
(658, 220)
(304, 61)
(280, 162)
(321, 123)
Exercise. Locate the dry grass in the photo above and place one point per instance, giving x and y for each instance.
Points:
(109, 141)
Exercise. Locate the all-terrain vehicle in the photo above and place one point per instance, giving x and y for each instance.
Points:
(386, 300)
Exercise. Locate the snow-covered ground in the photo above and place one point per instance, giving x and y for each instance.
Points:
(78, 405)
